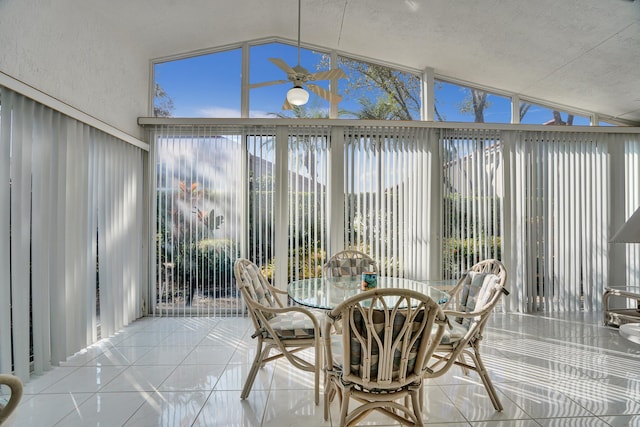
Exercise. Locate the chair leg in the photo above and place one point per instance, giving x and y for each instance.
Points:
(486, 380)
(329, 395)
(257, 364)
(344, 405)
(317, 370)
(417, 405)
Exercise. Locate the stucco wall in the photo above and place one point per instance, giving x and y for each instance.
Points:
(75, 58)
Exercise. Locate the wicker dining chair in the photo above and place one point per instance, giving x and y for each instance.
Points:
(15, 386)
(378, 361)
(472, 301)
(349, 263)
(286, 330)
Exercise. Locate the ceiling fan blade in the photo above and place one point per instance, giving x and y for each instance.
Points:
(333, 99)
(287, 105)
(336, 73)
(282, 65)
(271, 83)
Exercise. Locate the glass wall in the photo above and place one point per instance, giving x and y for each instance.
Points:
(424, 203)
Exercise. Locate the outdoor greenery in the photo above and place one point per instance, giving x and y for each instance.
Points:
(191, 260)
(383, 92)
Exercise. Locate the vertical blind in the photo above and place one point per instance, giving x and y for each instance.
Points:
(558, 219)
(199, 212)
(472, 198)
(307, 200)
(260, 222)
(214, 202)
(427, 203)
(632, 202)
(388, 198)
(70, 235)
(424, 203)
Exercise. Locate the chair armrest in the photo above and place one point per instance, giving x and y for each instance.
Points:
(453, 313)
(621, 293)
(305, 311)
(611, 292)
(259, 311)
(475, 313)
(277, 290)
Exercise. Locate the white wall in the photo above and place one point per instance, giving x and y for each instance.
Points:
(75, 58)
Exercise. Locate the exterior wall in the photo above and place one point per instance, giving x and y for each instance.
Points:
(76, 59)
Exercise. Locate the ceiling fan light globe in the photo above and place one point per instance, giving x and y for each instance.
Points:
(297, 96)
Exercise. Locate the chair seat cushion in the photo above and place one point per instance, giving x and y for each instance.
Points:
(292, 325)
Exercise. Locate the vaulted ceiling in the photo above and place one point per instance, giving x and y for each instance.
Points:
(574, 53)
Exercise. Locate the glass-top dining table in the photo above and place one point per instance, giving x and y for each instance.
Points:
(327, 293)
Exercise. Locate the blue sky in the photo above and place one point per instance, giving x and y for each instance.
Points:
(210, 86)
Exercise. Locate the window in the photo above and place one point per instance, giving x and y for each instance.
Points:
(200, 86)
(267, 101)
(455, 103)
(377, 92)
(211, 85)
(539, 115)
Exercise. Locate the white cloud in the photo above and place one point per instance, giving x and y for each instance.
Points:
(261, 115)
(221, 112)
(218, 112)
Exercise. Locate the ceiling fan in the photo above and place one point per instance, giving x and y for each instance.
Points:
(300, 77)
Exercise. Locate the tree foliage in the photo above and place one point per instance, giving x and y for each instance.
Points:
(396, 93)
(475, 103)
(162, 102)
(384, 108)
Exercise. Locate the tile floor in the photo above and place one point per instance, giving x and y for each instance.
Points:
(561, 370)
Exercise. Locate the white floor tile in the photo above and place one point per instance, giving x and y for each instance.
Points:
(168, 409)
(164, 355)
(622, 420)
(103, 409)
(44, 410)
(192, 378)
(86, 379)
(225, 408)
(550, 370)
(120, 356)
(138, 378)
(572, 422)
(293, 408)
(209, 355)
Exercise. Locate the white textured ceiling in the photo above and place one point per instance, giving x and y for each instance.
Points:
(575, 53)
